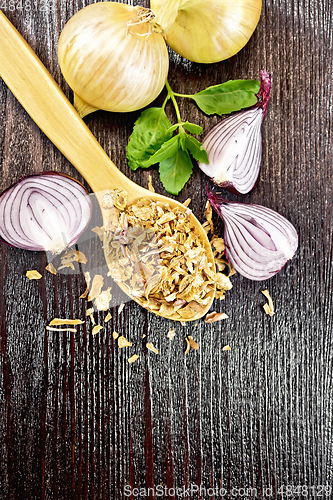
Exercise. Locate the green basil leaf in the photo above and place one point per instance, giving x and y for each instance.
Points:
(182, 139)
(227, 97)
(196, 149)
(173, 127)
(168, 149)
(192, 128)
(176, 171)
(149, 133)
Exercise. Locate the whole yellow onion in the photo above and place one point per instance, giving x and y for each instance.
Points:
(207, 31)
(114, 57)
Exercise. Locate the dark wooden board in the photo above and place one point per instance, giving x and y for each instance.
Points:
(76, 420)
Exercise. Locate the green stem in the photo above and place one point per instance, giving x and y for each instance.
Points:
(189, 96)
(171, 94)
(165, 101)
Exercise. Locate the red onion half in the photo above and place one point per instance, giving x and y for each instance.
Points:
(47, 211)
(258, 240)
(234, 145)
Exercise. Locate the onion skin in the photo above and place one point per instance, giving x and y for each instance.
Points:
(110, 63)
(264, 93)
(258, 240)
(209, 31)
(46, 211)
(234, 145)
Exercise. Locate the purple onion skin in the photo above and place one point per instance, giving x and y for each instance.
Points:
(258, 240)
(83, 190)
(234, 145)
(265, 90)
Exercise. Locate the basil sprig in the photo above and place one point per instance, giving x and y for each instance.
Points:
(155, 140)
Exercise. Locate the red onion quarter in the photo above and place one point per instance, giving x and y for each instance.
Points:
(47, 211)
(258, 240)
(234, 145)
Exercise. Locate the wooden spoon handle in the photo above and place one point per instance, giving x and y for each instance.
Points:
(39, 94)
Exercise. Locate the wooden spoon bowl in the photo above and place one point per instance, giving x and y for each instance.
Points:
(41, 97)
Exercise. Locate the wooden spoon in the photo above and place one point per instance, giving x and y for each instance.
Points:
(41, 97)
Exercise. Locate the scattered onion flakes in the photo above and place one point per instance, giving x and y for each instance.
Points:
(73, 256)
(223, 284)
(90, 312)
(217, 244)
(208, 225)
(96, 286)
(60, 321)
(151, 347)
(115, 335)
(107, 317)
(50, 267)
(84, 294)
(268, 307)
(99, 231)
(215, 316)
(33, 275)
(232, 270)
(133, 358)
(102, 301)
(87, 277)
(122, 342)
(226, 348)
(193, 343)
(88, 280)
(67, 264)
(51, 328)
(121, 307)
(171, 334)
(96, 329)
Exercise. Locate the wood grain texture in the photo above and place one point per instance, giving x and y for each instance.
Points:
(76, 420)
